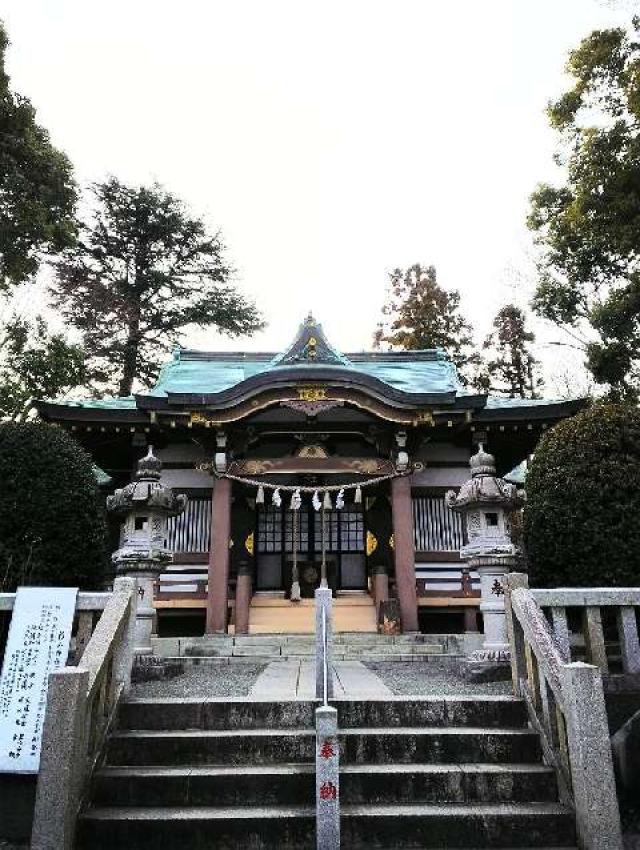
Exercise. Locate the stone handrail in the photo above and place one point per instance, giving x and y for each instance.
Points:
(565, 704)
(81, 705)
(591, 600)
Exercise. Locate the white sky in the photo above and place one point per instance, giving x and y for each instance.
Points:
(329, 141)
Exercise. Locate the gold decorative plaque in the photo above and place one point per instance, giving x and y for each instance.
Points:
(312, 393)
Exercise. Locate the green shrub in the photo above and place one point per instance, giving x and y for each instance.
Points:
(581, 521)
(52, 518)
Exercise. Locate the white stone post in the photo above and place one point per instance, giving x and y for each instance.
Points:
(124, 660)
(62, 761)
(594, 787)
(327, 779)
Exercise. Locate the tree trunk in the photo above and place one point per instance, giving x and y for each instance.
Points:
(130, 354)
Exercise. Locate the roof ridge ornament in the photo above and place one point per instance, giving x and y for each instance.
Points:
(311, 347)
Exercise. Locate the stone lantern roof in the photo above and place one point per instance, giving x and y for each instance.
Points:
(145, 491)
(485, 487)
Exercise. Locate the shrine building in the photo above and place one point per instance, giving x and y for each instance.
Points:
(304, 464)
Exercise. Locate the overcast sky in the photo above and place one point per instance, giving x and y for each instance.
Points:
(329, 141)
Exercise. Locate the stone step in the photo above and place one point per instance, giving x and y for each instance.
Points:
(487, 712)
(371, 827)
(439, 745)
(459, 826)
(237, 715)
(294, 784)
(197, 828)
(233, 785)
(258, 746)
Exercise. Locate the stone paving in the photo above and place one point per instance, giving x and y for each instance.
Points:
(282, 680)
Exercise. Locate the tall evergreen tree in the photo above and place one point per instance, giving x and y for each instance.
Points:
(37, 192)
(418, 313)
(143, 270)
(588, 228)
(510, 367)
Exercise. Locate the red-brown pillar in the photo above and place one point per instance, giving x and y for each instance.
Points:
(404, 553)
(217, 602)
(243, 599)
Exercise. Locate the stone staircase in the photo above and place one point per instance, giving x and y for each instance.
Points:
(293, 647)
(432, 772)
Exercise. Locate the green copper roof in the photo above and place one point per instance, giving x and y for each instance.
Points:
(124, 403)
(412, 372)
(197, 372)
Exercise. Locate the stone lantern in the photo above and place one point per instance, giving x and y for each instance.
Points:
(144, 505)
(487, 503)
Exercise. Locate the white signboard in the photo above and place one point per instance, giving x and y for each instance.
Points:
(38, 643)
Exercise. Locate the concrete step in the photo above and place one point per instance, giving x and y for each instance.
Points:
(382, 826)
(274, 645)
(171, 714)
(436, 745)
(294, 784)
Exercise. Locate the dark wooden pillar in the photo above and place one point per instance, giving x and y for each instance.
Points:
(404, 553)
(243, 598)
(217, 603)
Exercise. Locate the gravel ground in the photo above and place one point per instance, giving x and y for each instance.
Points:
(204, 680)
(432, 678)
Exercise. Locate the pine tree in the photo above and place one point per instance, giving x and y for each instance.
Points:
(142, 271)
(418, 314)
(510, 367)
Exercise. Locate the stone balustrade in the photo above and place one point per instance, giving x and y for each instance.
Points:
(81, 705)
(565, 703)
(592, 605)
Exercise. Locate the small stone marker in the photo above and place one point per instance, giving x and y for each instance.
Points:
(38, 644)
(327, 779)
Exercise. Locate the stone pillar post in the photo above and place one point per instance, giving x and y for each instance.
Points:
(493, 572)
(404, 553)
(243, 598)
(219, 557)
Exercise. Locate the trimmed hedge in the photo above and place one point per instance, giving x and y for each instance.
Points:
(582, 517)
(52, 517)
